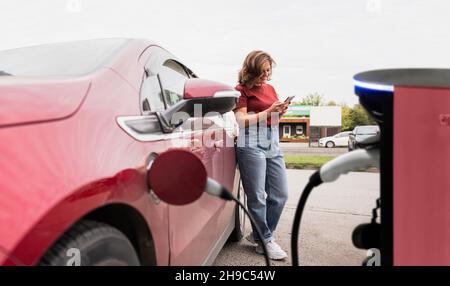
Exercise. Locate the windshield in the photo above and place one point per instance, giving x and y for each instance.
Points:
(61, 59)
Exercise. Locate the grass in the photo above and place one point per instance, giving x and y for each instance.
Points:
(314, 162)
(305, 162)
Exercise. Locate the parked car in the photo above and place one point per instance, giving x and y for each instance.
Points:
(360, 133)
(80, 124)
(337, 140)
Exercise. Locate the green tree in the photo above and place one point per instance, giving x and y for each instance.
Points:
(347, 124)
(313, 99)
(352, 117)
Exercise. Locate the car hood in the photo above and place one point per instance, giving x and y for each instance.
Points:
(32, 100)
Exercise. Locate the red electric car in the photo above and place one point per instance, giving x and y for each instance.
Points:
(80, 124)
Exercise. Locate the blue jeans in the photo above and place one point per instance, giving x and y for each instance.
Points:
(263, 173)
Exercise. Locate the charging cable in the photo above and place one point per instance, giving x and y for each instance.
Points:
(329, 172)
(215, 189)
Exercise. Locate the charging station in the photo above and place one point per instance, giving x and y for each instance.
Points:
(412, 107)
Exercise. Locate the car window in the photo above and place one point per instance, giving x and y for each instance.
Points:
(151, 95)
(366, 130)
(173, 77)
(59, 59)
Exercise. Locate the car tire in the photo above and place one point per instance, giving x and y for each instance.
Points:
(98, 244)
(329, 144)
(239, 216)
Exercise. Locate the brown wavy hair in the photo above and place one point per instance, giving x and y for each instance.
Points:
(252, 68)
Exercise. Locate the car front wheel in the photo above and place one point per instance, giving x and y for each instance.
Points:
(91, 243)
(330, 144)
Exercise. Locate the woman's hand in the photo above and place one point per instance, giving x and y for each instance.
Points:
(277, 106)
(286, 105)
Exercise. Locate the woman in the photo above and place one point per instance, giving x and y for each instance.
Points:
(260, 160)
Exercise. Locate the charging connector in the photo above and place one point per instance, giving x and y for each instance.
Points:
(351, 161)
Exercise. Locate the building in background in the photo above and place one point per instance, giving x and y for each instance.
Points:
(294, 124)
(325, 121)
(309, 123)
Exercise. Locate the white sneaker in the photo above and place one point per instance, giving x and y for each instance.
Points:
(273, 250)
(250, 239)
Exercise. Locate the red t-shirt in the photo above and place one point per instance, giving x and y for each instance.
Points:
(257, 98)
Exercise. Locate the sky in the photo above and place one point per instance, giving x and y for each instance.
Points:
(318, 45)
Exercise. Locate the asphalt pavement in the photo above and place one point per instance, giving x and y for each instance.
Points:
(332, 212)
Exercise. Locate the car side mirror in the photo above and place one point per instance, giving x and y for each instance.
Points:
(200, 97)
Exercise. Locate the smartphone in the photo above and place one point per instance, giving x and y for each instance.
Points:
(289, 99)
